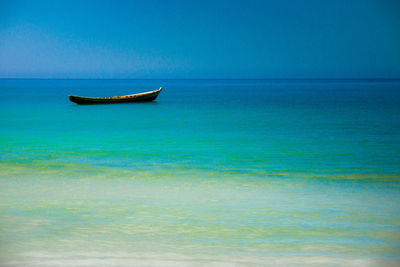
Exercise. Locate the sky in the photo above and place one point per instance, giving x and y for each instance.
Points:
(200, 39)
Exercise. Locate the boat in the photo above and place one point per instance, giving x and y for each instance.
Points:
(142, 97)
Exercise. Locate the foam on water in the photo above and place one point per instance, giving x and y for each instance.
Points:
(173, 259)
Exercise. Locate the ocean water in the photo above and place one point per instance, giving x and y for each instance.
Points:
(214, 172)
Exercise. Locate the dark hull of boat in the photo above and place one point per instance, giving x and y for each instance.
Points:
(143, 97)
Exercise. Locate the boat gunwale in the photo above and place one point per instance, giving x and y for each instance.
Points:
(118, 97)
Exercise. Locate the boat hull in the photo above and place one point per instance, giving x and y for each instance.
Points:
(142, 97)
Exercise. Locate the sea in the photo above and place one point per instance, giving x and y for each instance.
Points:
(212, 173)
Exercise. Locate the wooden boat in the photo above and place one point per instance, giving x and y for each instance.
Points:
(142, 97)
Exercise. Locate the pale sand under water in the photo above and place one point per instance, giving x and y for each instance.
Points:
(63, 215)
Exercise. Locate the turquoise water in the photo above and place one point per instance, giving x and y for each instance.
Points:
(215, 172)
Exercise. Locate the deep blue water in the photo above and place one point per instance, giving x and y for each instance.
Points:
(251, 126)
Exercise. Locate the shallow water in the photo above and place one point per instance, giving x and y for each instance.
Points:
(215, 172)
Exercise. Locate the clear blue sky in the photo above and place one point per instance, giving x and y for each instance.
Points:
(200, 39)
